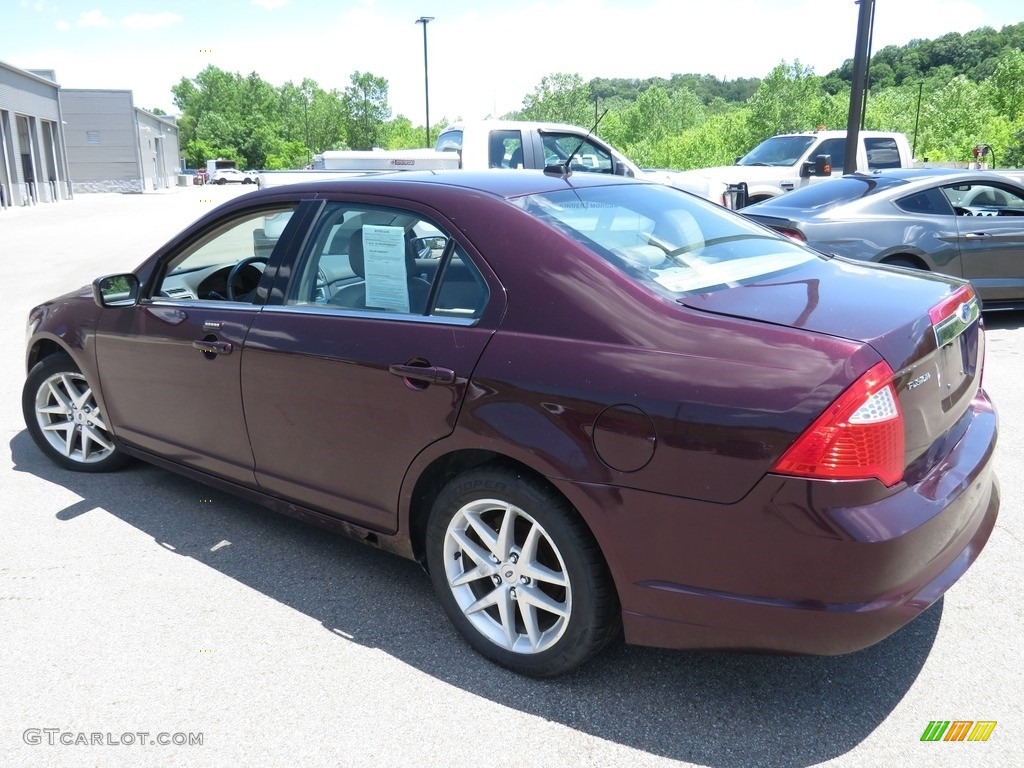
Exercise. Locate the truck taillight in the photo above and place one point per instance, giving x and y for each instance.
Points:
(859, 436)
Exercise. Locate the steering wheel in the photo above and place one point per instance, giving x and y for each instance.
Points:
(235, 270)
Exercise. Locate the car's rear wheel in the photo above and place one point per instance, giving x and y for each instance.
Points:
(519, 574)
(903, 261)
(65, 419)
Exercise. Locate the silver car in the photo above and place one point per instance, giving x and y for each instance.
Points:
(968, 224)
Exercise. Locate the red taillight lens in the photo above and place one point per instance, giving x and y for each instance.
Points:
(859, 436)
(792, 234)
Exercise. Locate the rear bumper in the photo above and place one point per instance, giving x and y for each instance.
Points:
(799, 566)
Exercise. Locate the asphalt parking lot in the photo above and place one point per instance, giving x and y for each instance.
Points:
(143, 603)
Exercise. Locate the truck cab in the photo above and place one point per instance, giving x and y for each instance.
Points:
(517, 144)
(785, 162)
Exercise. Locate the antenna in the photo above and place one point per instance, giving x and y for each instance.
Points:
(564, 168)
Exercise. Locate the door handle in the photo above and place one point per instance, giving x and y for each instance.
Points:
(977, 235)
(429, 374)
(213, 347)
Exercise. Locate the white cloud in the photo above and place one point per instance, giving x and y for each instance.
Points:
(143, 21)
(271, 5)
(62, 25)
(93, 18)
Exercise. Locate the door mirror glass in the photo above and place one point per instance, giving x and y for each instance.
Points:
(116, 290)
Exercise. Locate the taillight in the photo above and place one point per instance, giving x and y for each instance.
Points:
(792, 234)
(953, 316)
(859, 436)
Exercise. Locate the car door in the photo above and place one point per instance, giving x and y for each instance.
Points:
(365, 362)
(170, 364)
(990, 221)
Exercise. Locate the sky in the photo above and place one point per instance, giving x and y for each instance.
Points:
(484, 56)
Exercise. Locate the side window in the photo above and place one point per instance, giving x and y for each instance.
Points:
(505, 149)
(882, 153)
(930, 201)
(586, 155)
(834, 147)
(384, 260)
(462, 292)
(984, 200)
(227, 264)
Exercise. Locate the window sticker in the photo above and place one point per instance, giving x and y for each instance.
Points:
(387, 284)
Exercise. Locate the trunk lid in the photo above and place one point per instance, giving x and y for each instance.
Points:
(926, 327)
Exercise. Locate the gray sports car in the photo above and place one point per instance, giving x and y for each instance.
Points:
(968, 224)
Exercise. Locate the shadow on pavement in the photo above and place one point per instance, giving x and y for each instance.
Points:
(708, 708)
(1004, 320)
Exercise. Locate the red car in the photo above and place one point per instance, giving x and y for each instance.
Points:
(582, 403)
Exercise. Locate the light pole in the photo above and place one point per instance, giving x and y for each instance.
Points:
(424, 20)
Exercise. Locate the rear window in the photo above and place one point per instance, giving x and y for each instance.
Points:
(665, 239)
(449, 141)
(831, 192)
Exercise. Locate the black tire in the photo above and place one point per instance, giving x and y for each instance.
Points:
(65, 420)
(903, 261)
(549, 603)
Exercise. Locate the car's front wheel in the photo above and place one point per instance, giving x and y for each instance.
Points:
(519, 573)
(65, 419)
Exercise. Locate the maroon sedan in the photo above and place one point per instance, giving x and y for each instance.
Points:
(583, 403)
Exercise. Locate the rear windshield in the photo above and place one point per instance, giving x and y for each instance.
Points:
(665, 239)
(831, 192)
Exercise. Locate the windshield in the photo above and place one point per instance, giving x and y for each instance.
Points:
(778, 150)
(665, 239)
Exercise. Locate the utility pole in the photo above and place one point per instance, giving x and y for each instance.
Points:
(424, 20)
(865, 21)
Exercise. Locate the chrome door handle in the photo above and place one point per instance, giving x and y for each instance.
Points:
(429, 374)
(213, 347)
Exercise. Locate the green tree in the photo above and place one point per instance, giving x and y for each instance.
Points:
(560, 98)
(789, 99)
(954, 120)
(1006, 86)
(366, 110)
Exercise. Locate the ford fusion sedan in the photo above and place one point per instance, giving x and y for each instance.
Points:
(969, 224)
(591, 407)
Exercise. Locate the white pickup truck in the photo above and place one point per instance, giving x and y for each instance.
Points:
(785, 162)
(523, 144)
(502, 144)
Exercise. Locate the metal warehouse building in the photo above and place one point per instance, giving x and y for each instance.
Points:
(56, 141)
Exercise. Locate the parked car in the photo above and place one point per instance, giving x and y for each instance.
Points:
(232, 176)
(969, 224)
(606, 403)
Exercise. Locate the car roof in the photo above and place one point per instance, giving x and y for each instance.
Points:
(498, 182)
(819, 199)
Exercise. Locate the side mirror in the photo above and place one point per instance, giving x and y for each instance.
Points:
(621, 169)
(819, 166)
(430, 247)
(116, 290)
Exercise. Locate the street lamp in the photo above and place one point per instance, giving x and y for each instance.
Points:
(424, 20)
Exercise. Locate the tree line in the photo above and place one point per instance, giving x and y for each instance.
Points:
(947, 94)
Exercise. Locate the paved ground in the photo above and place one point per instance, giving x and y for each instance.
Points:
(142, 602)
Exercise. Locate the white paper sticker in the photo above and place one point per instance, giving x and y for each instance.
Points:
(387, 284)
